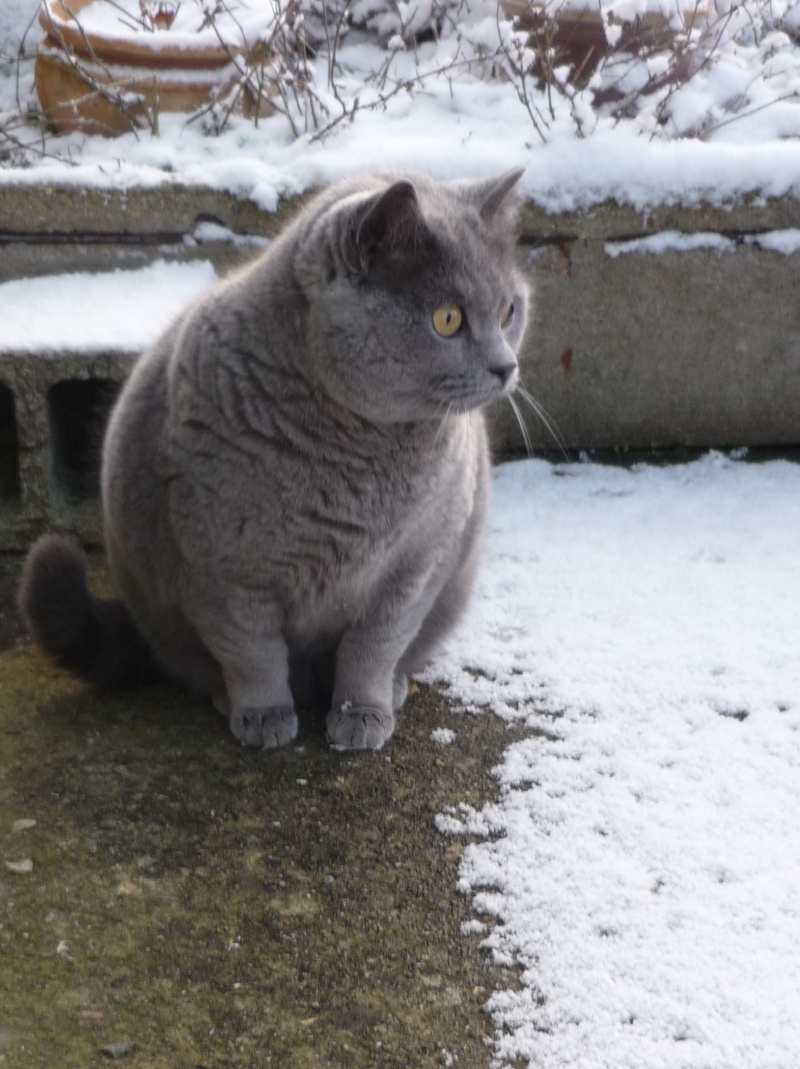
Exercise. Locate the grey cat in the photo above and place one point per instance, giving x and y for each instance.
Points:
(295, 477)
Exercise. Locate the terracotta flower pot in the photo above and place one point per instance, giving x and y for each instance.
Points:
(110, 82)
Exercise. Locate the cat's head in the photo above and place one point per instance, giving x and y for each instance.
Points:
(416, 306)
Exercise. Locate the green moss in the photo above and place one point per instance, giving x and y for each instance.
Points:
(217, 906)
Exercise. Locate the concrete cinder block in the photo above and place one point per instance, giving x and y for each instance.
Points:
(686, 348)
(52, 416)
(681, 349)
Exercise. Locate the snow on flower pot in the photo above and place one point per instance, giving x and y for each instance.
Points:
(568, 33)
(108, 66)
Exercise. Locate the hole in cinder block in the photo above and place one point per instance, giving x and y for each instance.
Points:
(9, 447)
(78, 411)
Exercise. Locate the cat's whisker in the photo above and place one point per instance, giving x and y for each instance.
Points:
(526, 438)
(468, 421)
(442, 425)
(542, 414)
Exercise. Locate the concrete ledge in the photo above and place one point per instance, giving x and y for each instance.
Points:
(168, 211)
(173, 210)
(690, 348)
(611, 221)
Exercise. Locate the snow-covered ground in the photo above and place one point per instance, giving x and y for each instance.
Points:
(642, 862)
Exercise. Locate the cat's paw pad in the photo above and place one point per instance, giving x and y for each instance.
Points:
(359, 727)
(265, 728)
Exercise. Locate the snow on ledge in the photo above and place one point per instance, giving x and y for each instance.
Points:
(669, 241)
(115, 311)
(783, 241)
(480, 136)
(786, 242)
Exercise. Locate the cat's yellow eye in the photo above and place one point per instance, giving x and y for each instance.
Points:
(506, 314)
(447, 320)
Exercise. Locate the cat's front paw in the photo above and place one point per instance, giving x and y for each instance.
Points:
(399, 691)
(359, 727)
(265, 728)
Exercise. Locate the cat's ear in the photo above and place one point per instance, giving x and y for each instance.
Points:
(390, 226)
(491, 195)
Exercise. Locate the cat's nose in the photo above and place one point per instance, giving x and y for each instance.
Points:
(504, 372)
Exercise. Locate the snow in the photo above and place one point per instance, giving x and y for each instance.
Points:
(642, 859)
(731, 130)
(786, 242)
(116, 311)
(670, 241)
(207, 232)
(15, 16)
(130, 21)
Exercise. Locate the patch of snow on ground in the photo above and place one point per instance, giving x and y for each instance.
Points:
(643, 857)
(122, 310)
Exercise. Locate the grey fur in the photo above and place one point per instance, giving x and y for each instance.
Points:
(296, 476)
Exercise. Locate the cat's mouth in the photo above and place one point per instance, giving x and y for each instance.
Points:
(474, 395)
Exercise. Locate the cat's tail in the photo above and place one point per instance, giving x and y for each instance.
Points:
(93, 637)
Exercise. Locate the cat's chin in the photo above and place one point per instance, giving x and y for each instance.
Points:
(473, 402)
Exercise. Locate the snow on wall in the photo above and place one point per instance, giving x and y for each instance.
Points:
(82, 312)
